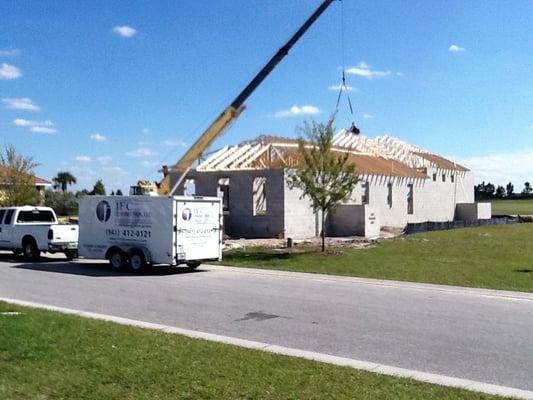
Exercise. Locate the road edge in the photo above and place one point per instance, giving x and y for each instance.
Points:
(427, 377)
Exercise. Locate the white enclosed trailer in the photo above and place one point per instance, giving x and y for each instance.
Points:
(136, 231)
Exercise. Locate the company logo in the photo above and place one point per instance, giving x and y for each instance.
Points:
(186, 214)
(103, 211)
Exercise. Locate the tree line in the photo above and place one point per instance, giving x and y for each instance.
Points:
(17, 185)
(490, 191)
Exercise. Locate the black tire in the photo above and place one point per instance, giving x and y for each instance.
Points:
(71, 254)
(117, 259)
(30, 250)
(137, 261)
(191, 265)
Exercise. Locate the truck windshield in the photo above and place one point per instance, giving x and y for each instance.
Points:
(36, 216)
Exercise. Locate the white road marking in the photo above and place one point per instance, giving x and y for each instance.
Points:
(437, 379)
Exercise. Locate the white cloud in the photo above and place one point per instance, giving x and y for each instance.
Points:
(296, 110)
(115, 170)
(84, 159)
(368, 116)
(366, 71)
(148, 164)
(456, 49)
(20, 103)
(500, 168)
(114, 177)
(141, 152)
(97, 137)
(25, 122)
(36, 126)
(9, 53)
(42, 129)
(124, 31)
(105, 160)
(8, 71)
(176, 143)
(345, 88)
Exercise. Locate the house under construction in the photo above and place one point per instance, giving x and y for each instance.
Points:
(399, 184)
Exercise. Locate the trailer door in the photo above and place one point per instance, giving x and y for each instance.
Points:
(198, 234)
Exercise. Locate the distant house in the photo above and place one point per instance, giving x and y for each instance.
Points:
(399, 184)
(40, 184)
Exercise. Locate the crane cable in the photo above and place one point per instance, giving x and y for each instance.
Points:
(343, 86)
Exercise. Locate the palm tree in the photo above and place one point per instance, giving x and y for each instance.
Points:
(63, 179)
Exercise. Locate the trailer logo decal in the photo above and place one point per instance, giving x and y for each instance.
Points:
(186, 214)
(103, 211)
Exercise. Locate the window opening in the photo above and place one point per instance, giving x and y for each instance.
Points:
(410, 206)
(2, 212)
(389, 194)
(259, 196)
(365, 197)
(190, 187)
(223, 192)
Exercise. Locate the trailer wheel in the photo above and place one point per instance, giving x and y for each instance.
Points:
(137, 261)
(30, 250)
(117, 259)
(193, 265)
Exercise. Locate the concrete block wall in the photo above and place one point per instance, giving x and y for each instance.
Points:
(300, 220)
(354, 220)
(484, 210)
(432, 200)
(289, 215)
(240, 221)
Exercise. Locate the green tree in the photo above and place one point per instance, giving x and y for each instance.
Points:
(119, 192)
(527, 189)
(500, 192)
(509, 189)
(17, 178)
(98, 188)
(63, 179)
(64, 203)
(325, 177)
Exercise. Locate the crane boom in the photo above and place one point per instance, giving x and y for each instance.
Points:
(231, 113)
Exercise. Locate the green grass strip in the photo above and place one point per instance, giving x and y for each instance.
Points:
(496, 257)
(46, 355)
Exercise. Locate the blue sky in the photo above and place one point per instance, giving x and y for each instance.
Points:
(113, 90)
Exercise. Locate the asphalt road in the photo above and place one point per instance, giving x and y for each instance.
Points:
(481, 335)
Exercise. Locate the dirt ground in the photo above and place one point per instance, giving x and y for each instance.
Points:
(351, 241)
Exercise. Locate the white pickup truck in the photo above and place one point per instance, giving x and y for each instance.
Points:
(31, 230)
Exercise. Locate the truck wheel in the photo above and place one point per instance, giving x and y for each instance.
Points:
(137, 261)
(30, 250)
(193, 265)
(117, 259)
(71, 254)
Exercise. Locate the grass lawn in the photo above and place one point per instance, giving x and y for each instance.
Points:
(499, 257)
(46, 355)
(512, 207)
